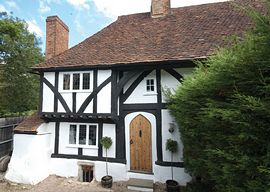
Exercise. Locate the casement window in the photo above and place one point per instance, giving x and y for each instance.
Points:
(86, 81)
(150, 85)
(76, 81)
(83, 134)
(66, 81)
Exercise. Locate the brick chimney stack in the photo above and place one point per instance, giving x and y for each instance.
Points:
(56, 36)
(160, 8)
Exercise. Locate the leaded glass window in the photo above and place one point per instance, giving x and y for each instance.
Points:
(66, 82)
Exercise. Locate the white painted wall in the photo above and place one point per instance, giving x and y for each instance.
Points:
(68, 98)
(166, 120)
(168, 82)
(104, 100)
(89, 108)
(164, 173)
(80, 98)
(48, 96)
(109, 131)
(30, 159)
(103, 75)
(139, 95)
(59, 167)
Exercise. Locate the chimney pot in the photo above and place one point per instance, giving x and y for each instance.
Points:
(160, 8)
(56, 36)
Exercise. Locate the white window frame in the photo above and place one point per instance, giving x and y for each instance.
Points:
(77, 145)
(155, 87)
(61, 82)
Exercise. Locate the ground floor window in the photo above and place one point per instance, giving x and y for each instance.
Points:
(87, 173)
(83, 134)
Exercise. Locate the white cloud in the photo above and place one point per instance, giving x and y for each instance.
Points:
(79, 4)
(12, 4)
(114, 8)
(3, 9)
(53, 1)
(34, 28)
(43, 8)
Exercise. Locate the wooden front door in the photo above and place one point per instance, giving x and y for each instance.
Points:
(140, 144)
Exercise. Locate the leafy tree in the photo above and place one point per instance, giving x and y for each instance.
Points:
(18, 52)
(223, 111)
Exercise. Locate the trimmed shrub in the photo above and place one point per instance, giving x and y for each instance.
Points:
(223, 111)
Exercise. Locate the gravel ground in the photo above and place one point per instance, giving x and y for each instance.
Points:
(60, 184)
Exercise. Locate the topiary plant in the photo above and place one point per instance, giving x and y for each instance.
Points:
(171, 145)
(106, 142)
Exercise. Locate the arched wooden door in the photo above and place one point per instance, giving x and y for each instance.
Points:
(140, 144)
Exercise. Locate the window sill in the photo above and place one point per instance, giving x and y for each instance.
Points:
(150, 94)
(75, 91)
(82, 146)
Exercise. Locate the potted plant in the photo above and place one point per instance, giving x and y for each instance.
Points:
(107, 180)
(171, 184)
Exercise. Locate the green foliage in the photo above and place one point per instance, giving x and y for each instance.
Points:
(224, 115)
(171, 145)
(106, 142)
(18, 52)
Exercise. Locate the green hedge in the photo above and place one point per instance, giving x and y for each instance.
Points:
(223, 111)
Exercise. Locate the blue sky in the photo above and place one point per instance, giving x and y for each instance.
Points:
(84, 17)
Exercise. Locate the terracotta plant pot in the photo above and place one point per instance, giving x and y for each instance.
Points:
(172, 186)
(107, 181)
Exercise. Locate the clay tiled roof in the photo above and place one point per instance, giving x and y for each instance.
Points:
(187, 33)
(29, 125)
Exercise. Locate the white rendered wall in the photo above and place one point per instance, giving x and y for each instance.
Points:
(161, 174)
(30, 159)
(139, 95)
(48, 96)
(103, 75)
(80, 98)
(168, 82)
(104, 96)
(89, 108)
(109, 131)
(166, 120)
(104, 100)
(59, 167)
(68, 98)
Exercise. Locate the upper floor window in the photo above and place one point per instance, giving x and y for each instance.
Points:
(83, 134)
(86, 80)
(76, 81)
(66, 82)
(150, 85)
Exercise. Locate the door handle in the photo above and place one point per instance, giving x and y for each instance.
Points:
(140, 133)
(131, 141)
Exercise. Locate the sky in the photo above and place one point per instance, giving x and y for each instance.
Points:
(84, 17)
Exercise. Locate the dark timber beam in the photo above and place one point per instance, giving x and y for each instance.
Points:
(57, 94)
(93, 94)
(134, 85)
(120, 85)
(40, 93)
(175, 74)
